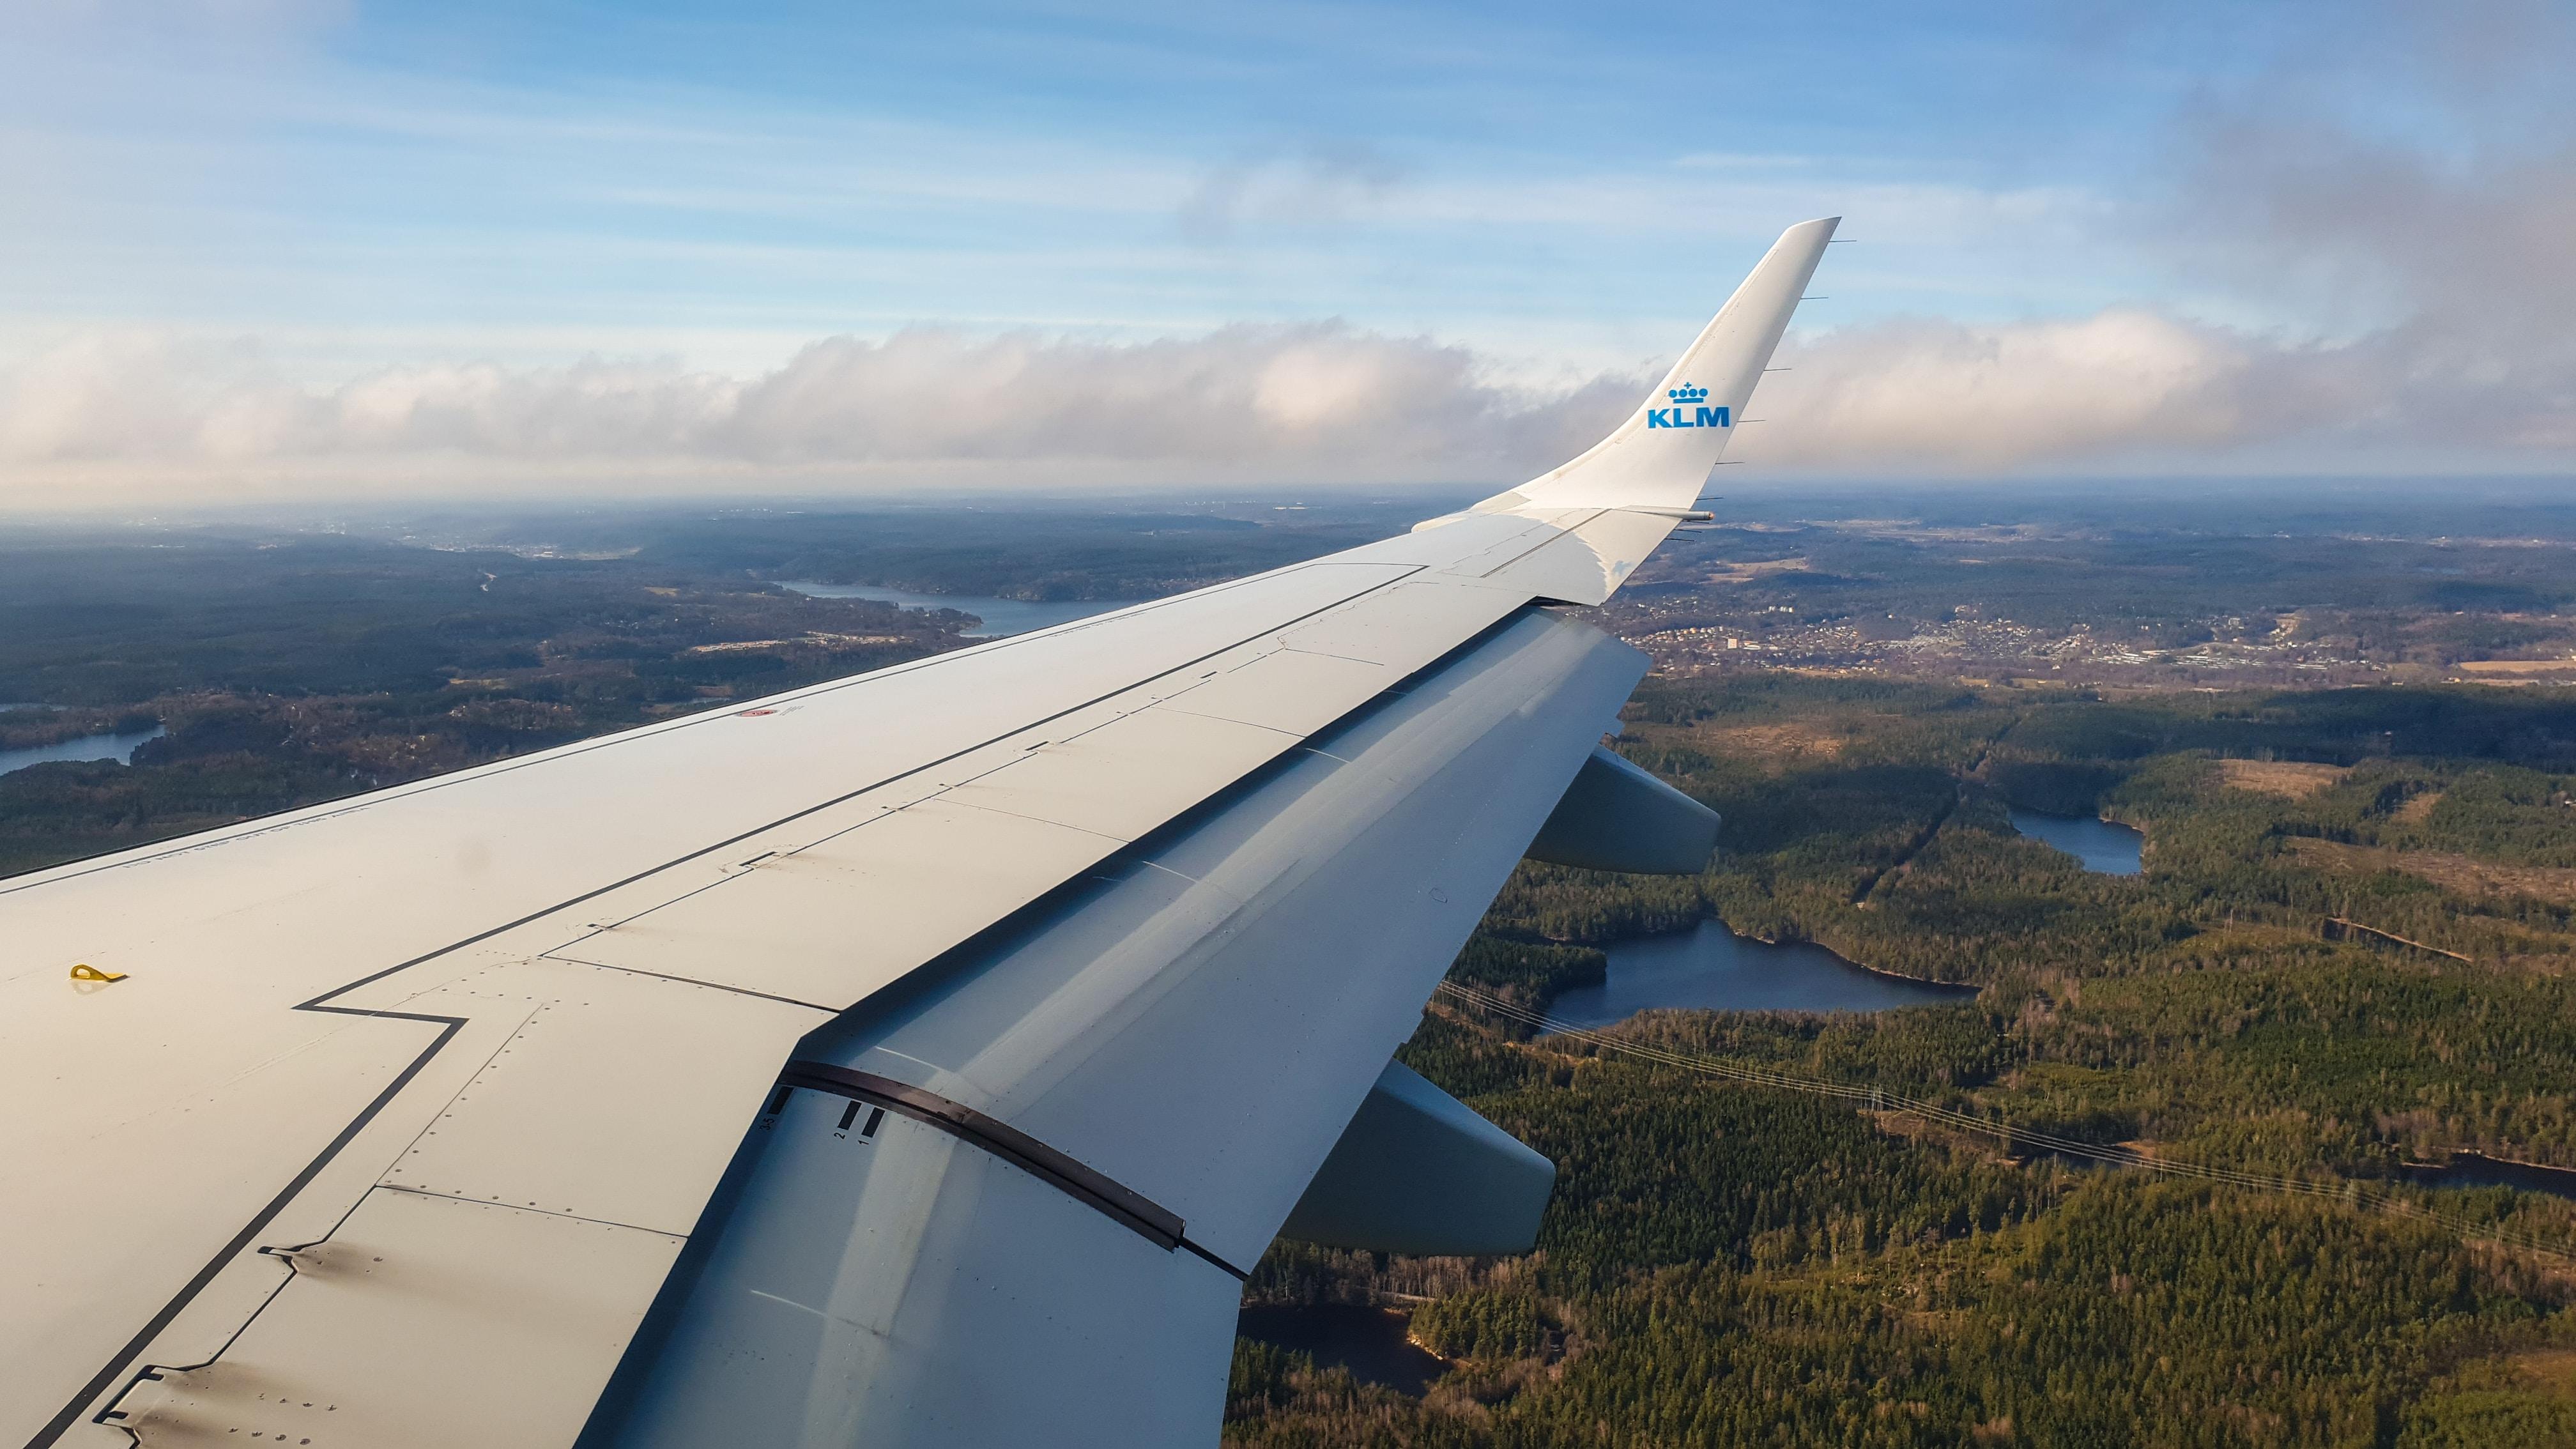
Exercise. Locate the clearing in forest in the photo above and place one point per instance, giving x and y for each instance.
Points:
(2516, 666)
(2452, 872)
(2289, 779)
(1774, 744)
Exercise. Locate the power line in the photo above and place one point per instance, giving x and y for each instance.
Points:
(2342, 1189)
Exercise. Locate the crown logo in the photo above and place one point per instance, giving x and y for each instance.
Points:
(1687, 393)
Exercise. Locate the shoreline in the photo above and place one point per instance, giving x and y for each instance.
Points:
(1968, 988)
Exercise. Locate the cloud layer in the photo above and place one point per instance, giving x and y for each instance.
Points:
(1320, 403)
(2363, 248)
(2348, 256)
(1317, 402)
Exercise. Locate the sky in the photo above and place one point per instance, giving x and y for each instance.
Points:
(254, 250)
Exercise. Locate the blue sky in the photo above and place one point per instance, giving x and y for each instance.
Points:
(300, 196)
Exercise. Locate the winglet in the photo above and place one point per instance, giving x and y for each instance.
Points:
(1659, 458)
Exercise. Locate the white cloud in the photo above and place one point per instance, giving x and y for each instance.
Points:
(1927, 396)
(2400, 187)
(132, 411)
(1319, 403)
(2129, 389)
(1319, 183)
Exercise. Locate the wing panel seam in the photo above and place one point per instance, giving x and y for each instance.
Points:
(1561, 530)
(90, 1392)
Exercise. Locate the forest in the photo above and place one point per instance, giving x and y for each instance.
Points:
(1733, 1264)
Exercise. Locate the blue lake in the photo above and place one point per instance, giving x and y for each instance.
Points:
(1001, 617)
(119, 748)
(2105, 846)
(1710, 968)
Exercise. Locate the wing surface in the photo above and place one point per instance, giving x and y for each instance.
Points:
(417, 1115)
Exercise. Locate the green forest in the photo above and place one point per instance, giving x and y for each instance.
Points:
(1727, 1264)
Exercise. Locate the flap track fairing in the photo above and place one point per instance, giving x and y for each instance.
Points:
(1418, 1172)
(1616, 816)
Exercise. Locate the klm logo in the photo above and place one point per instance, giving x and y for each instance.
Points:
(1689, 410)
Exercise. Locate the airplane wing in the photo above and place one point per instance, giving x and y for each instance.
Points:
(922, 1057)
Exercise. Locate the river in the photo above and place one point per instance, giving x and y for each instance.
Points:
(1001, 617)
(2106, 847)
(1710, 968)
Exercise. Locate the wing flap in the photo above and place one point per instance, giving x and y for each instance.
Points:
(920, 1290)
(1129, 776)
(616, 1100)
(1293, 690)
(426, 1321)
(1409, 626)
(513, 1243)
(827, 923)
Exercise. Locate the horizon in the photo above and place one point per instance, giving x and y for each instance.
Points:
(2466, 511)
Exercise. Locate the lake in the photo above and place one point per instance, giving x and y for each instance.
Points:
(1002, 617)
(1710, 968)
(119, 748)
(2476, 1169)
(1369, 1342)
(2105, 846)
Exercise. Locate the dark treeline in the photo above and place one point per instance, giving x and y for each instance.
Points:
(1015, 552)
